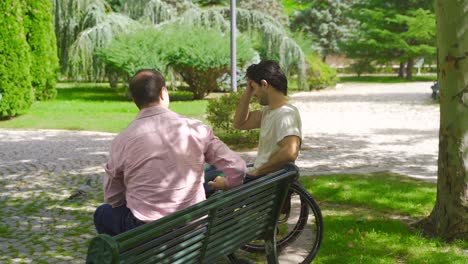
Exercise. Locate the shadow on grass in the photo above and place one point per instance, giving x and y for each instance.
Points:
(90, 93)
(380, 191)
(356, 239)
(105, 93)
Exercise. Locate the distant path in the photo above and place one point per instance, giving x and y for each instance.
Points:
(360, 128)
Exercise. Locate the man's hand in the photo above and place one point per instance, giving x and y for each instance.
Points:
(250, 88)
(254, 173)
(219, 183)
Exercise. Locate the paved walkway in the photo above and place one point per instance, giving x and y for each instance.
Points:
(354, 128)
(362, 128)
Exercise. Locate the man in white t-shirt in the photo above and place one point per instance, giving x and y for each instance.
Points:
(279, 122)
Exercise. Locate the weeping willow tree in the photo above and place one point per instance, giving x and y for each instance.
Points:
(84, 64)
(72, 17)
(154, 11)
(274, 40)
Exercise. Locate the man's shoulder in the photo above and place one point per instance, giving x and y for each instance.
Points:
(287, 109)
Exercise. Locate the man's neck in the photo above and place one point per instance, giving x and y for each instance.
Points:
(277, 100)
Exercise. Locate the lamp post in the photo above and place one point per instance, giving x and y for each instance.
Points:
(233, 47)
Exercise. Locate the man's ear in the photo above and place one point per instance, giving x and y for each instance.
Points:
(161, 93)
(264, 83)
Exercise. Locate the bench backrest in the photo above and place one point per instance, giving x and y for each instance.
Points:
(203, 232)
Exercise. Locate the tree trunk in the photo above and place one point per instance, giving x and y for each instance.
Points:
(401, 70)
(409, 68)
(449, 218)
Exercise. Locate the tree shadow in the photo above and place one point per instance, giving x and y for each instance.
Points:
(91, 94)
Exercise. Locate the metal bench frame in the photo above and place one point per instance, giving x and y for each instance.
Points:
(206, 231)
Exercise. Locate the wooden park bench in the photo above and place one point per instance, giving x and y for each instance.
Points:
(206, 231)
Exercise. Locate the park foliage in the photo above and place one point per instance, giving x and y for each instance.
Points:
(28, 52)
(92, 35)
(15, 82)
(220, 114)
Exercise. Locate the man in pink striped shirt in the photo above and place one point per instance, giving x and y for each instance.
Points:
(155, 166)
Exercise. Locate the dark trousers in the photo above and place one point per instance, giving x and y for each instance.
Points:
(113, 221)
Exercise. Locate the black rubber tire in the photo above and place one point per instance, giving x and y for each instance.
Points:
(307, 204)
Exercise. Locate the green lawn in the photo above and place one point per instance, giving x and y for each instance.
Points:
(95, 108)
(367, 219)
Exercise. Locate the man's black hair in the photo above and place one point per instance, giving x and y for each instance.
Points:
(145, 87)
(271, 72)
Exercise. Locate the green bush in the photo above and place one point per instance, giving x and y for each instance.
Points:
(203, 59)
(15, 79)
(320, 74)
(220, 114)
(363, 66)
(200, 55)
(128, 53)
(41, 39)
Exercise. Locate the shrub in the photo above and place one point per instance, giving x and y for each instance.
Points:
(220, 113)
(203, 59)
(15, 79)
(200, 61)
(320, 74)
(362, 66)
(128, 53)
(41, 39)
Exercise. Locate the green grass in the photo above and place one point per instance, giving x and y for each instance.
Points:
(387, 79)
(366, 220)
(95, 108)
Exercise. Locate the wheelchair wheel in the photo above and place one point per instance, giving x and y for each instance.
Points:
(300, 229)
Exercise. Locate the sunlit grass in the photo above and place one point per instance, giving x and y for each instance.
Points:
(381, 191)
(367, 220)
(94, 108)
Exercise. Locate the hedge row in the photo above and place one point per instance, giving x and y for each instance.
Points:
(28, 55)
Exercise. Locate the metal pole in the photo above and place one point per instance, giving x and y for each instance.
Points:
(233, 47)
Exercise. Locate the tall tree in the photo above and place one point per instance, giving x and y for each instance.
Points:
(72, 17)
(449, 218)
(390, 31)
(41, 38)
(16, 94)
(327, 22)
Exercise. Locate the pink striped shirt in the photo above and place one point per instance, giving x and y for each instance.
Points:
(156, 164)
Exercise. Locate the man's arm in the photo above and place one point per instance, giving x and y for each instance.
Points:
(243, 119)
(288, 152)
(226, 160)
(114, 188)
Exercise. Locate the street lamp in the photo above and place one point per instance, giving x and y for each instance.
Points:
(233, 46)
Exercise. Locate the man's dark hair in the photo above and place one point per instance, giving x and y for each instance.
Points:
(271, 72)
(145, 87)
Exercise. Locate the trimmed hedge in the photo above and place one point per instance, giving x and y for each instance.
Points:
(15, 78)
(41, 39)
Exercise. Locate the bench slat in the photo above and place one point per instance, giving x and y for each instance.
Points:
(242, 219)
(156, 246)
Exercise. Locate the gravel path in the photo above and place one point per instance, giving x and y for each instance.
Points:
(363, 128)
(356, 128)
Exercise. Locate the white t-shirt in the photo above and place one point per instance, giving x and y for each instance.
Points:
(276, 124)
